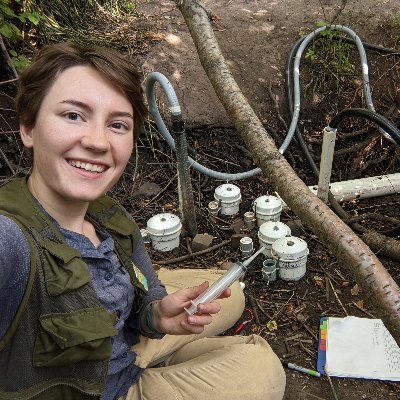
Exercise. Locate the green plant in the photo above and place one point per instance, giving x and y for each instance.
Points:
(330, 60)
(13, 20)
(101, 22)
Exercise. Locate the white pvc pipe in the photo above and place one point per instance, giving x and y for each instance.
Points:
(375, 186)
(325, 168)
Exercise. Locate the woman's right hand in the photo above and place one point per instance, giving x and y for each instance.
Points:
(170, 317)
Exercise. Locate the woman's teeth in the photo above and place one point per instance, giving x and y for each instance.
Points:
(87, 166)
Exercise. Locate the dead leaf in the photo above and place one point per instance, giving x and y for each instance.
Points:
(360, 303)
(318, 281)
(355, 290)
(289, 308)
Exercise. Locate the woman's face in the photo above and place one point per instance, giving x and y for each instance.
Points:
(82, 139)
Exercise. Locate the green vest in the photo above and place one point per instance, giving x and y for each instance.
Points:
(61, 334)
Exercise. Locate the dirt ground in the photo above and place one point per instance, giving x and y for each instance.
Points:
(255, 38)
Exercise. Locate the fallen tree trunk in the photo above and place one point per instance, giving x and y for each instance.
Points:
(378, 286)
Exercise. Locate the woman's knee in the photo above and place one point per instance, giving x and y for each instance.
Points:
(265, 368)
(247, 362)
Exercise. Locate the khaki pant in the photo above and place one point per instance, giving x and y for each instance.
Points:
(207, 367)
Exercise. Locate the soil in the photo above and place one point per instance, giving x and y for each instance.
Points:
(255, 38)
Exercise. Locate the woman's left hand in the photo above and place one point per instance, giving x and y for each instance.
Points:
(170, 317)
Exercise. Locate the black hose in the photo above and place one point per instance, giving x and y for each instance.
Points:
(378, 119)
(369, 46)
(289, 86)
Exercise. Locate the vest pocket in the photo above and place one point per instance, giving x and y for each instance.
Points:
(64, 268)
(82, 335)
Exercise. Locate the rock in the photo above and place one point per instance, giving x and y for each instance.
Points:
(237, 224)
(147, 189)
(201, 241)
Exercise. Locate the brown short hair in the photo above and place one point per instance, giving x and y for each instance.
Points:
(51, 60)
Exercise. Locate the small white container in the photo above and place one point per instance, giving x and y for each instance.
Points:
(249, 219)
(269, 232)
(213, 207)
(246, 246)
(290, 254)
(164, 230)
(267, 208)
(228, 197)
(269, 270)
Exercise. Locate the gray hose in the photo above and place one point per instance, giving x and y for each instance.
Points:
(175, 109)
(296, 79)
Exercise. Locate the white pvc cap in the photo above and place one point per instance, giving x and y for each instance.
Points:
(270, 231)
(227, 193)
(289, 248)
(163, 224)
(267, 205)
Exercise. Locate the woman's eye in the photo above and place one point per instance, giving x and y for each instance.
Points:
(120, 126)
(73, 116)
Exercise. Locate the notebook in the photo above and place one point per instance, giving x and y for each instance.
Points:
(357, 348)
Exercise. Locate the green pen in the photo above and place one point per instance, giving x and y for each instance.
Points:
(301, 369)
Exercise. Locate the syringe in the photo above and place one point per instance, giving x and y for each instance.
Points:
(234, 273)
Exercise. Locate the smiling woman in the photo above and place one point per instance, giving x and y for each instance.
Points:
(84, 315)
(82, 140)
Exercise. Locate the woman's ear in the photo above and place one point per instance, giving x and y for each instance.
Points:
(26, 136)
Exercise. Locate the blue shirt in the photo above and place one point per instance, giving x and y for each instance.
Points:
(111, 283)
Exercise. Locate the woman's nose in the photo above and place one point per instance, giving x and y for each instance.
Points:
(95, 138)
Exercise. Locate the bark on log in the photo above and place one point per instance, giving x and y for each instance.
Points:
(378, 286)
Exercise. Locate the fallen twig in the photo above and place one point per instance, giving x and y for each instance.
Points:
(331, 385)
(309, 330)
(327, 288)
(197, 253)
(337, 298)
(253, 306)
(313, 396)
(281, 309)
(262, 310)
(364, 310)
(162, 190)
(308, 351)
(7, 162)
(8, 81)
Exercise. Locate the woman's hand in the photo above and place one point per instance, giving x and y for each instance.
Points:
(170, 317)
